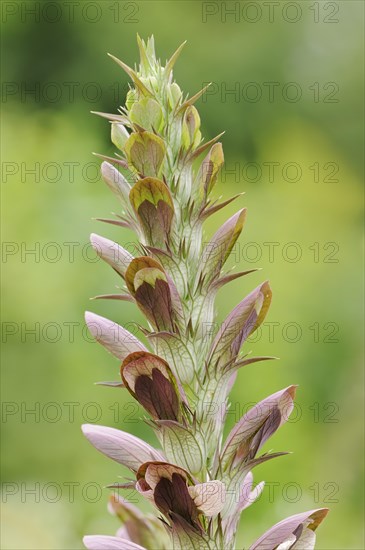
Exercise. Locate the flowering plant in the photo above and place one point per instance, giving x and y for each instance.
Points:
(198, 484)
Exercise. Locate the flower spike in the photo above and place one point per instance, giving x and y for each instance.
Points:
(198, 483)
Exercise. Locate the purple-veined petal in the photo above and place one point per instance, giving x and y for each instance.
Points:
(101, 542)
(263, 419)
(246, 497)
(283, 530)
(306, 541)
(249, 497)
(123, 533)
(243, 320)
(112, 253)
(121, 446)
(116, 182)
(219, 247)
(209, 497)
(234, 478)
(116, 339)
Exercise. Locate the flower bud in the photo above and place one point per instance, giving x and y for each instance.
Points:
(191, 135)
(119, 135)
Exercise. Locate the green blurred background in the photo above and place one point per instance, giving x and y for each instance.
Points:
(312, 51)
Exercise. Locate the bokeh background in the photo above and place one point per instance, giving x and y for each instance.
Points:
(293, 144)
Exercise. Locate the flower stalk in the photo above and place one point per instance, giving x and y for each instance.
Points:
(164, 175)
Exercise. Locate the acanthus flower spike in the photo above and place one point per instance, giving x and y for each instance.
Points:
(164, 174)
